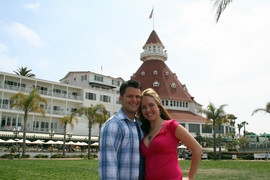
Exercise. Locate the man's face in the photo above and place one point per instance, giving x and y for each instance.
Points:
(131, 101)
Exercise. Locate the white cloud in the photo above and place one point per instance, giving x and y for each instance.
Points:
(22, 31)
(33, 6)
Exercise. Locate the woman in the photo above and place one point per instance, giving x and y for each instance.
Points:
(162, 136)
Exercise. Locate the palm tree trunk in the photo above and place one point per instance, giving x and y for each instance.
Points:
(24, 134)
(99, 132)
(64, 143)
(215, 154)
(219, 143)
(89, 138)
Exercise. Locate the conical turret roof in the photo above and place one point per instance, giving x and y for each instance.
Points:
(154, 73)
(153, 38)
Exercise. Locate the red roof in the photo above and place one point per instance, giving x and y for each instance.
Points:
(165, 77)
(153, 38)
(154, 71)
(186, 116)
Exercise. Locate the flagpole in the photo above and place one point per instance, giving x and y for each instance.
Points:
(152, 16)
(153, 19)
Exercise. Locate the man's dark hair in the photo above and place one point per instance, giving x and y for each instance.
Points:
(129, 83)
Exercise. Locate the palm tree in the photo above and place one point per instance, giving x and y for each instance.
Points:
(28, 103)
(215, 115)
(101, 120)
(244, 123)
(266, 110)
(220, 6)
(232, 119)
(219, 123)
(239, 127)
(92, 113)
(23, 71)
(65, 121)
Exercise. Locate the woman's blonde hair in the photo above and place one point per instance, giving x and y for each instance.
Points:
(164, 114)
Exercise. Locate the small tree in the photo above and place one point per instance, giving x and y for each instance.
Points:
(92, 113)
(101, 120)
(244, 123)
(65, 121)
(243, 142)
(232, 141)
(239, 127)
(219, 122)
(214, 114)
(28, 103)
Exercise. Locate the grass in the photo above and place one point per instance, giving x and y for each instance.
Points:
(88, 169)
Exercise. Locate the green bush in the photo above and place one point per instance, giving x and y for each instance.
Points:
(11, 156)
(41, 156)
(228, 155)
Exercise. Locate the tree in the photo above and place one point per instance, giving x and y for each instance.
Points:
(214, 115)
(23, 71)
(266, 110)
(239, 127)
(243, 142)
(232, 119)
(219, 122)
(28, 103)
(65, 121)
(101, 120)
(244, 123)
(232, 141)
(93, 114)
(220, 6)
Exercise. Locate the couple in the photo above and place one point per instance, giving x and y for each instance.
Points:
(132, 149)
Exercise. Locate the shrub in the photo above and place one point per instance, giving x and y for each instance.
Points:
(41, 156)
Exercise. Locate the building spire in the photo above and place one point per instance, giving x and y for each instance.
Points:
(154, 49)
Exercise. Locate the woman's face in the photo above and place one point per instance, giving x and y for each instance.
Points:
(149, 108)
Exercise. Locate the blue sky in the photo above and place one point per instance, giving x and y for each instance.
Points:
(223, 63)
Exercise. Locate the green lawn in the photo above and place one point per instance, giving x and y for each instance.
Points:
(88, 169)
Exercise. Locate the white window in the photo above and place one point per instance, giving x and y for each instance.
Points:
(156, 84)
(90, 96)
(155, 72)
(142, 73)
(173, 85)
(105, 98)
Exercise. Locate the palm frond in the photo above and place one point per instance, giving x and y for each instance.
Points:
(220, 6)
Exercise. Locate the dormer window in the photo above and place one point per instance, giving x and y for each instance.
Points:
(156, 84)
(155, 72)
(142, 73)
(173, 85)
(184, 88)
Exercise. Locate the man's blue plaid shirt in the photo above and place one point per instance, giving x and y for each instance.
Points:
(119, 149)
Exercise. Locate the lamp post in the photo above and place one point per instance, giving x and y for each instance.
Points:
(16, 132)
(51, 134)
(69, 137)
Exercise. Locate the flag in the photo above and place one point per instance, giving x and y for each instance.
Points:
(151, 14)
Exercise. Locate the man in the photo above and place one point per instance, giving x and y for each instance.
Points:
(120, 157)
